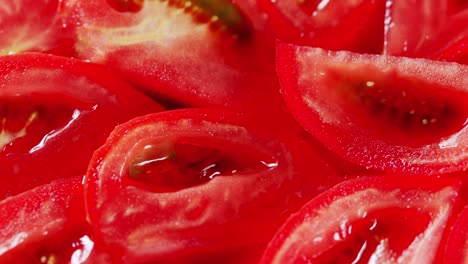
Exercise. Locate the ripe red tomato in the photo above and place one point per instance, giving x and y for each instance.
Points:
(456, 250)
(33, 25)
(199, 54)
(335, 25)
(390, 113)
(54, 113)
(396, 219)
(45, 224)
(409, 24)
(195, 183)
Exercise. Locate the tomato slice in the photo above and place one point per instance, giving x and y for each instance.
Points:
(456, 250)
(54, 112)
(33, 25)
(408, 24)
(195, 53)
(45, 224)
(390, 113)
(457, 5)
(335, 25)
(396, 219)
(193, 183)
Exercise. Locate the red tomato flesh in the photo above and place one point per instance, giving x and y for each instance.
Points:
(392, 113)
(54, 112)
(335, 25)
(196, 53)
(34, 25)
(456, 249)
(45, 225)
(193, 183)
(372, 219)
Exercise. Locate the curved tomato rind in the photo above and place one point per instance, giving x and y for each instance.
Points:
(381, 112)
(456, 249)
(385, 219)
(207, 217)
(408, 25)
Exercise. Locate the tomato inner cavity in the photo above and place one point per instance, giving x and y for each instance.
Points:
(25, 122)
(388, 232)
(396, 109)
(172, 166)
(220, 14)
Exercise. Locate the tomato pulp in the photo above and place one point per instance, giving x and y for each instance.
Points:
(55, 112)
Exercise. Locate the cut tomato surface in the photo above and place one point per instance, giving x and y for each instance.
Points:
(456, 250)
(54, 112)
(396, 219)
(440, 31)
(390, 113)
(45, 225)
(195, 183)
(335, 25)
(196, 53)
(34, 25)
(408, 24)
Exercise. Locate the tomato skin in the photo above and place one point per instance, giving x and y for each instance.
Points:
(437, 198)
(261, 200)
(456, 249)
(382, 151)
(334, 25)
(95, 100)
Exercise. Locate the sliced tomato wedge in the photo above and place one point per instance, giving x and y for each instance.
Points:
(388, 113)
(34, 25)
(396, 219)
(193, 184)
(408, 24)
(195, 53)
(54, 112)
(336, 25)
(456, 250)
(45, 225)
